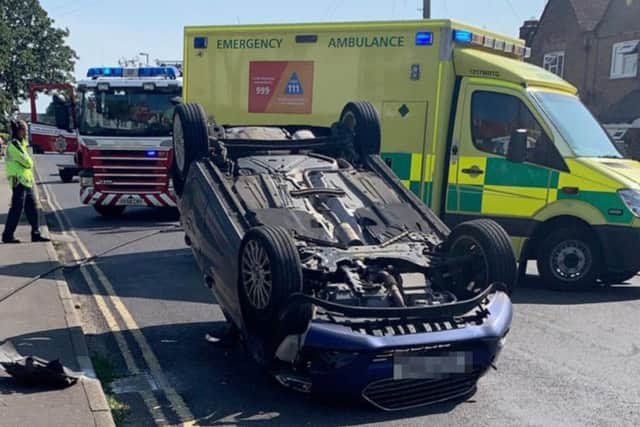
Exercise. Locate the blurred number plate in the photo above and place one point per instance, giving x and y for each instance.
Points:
(131, 201)
(431, 366)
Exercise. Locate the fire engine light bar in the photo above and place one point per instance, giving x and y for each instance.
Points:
(462, 36)
(424, 38)
(105, 72)
(169, 72)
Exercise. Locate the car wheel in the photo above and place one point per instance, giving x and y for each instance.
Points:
(109, 211)
(569, 259)
(66, 176)
(617, 277)
(362, 120)
(190, 141)
(490, 246)
(269, 273)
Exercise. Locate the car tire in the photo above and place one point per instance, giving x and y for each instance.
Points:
(66, 176)
(569, 259)
(269, 272)
(190, 141)
(362, 120)
(491, 243)
(617, 277)
(109, 211)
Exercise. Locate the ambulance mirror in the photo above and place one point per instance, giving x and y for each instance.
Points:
(517, 151)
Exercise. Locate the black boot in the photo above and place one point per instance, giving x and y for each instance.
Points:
(37, 237)
(9, 239)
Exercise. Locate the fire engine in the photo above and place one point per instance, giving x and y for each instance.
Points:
(45, 137)
(124, 126)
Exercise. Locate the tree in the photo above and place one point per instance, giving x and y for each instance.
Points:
(32, 50)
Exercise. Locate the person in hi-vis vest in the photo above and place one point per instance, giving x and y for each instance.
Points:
(19, 165)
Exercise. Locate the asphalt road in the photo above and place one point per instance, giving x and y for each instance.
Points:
(570, 358)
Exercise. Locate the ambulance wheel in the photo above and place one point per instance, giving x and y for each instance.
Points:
(190, 141)
(493, 260)
(362, 120)
(109, 211)
(569, 259)
(269, 272)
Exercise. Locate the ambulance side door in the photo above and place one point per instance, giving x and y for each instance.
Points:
(485, 183)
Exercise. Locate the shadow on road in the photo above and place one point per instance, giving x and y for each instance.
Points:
(225, 387)
(532, 291)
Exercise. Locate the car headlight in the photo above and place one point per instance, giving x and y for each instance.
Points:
(631, 199)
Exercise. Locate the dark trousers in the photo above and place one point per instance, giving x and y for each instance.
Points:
(23, 198)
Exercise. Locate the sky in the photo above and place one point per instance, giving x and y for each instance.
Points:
(103, 32)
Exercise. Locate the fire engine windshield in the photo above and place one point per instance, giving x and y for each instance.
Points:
(127, 112)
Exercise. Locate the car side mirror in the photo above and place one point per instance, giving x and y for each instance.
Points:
(517, 151)
(62, 113)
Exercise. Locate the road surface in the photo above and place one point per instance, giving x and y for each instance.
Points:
(570, 358)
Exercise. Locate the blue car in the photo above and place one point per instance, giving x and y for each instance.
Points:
(336, 277)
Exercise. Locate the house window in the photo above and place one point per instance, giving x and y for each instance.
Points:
(624, 59)
(554, 62)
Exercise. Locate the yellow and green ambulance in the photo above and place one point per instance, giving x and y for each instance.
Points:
(467, 125)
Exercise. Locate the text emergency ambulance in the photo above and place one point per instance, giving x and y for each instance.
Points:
(124, 135)
(467, 125)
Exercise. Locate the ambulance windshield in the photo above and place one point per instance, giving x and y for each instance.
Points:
(577, 125)
(127, 112)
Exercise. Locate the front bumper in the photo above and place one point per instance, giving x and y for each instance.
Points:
(620, 247)
(91, 196)
(365, 366)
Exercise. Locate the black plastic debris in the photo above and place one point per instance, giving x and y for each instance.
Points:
(34, 371)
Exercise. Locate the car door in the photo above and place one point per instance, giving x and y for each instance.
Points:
(44, 134)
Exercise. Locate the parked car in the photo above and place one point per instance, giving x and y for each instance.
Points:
(338, 278)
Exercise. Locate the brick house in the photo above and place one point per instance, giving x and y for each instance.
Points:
(593, 44)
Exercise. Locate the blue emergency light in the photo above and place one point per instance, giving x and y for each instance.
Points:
(169, 72)
(424, 38)
(151, 153)
(105, 72)
(462, 36)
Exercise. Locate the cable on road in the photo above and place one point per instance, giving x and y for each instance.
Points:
(78, 264)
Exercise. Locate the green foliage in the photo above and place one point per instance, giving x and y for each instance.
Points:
(32, 50)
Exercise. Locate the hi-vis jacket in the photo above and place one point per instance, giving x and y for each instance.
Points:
(19, 163)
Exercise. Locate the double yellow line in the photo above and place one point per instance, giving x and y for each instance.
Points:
(120, 311)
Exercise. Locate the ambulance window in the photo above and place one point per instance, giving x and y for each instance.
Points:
(494, 116)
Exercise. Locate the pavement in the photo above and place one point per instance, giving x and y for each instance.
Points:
(571, 359)
(41, 320)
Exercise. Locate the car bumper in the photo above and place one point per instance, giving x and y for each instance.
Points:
(366, 366)
(620, 247)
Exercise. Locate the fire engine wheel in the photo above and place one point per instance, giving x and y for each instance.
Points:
(493, 260)
(362, 120)
(109, 211)
(65, 175)
(269, 272)
(190, 141)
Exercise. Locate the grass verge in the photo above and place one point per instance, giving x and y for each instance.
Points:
(106, 373)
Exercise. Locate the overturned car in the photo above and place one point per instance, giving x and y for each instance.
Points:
(338, 279)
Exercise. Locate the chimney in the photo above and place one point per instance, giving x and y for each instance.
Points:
(528, 30)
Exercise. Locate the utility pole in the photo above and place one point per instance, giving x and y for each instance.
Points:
(426, 9)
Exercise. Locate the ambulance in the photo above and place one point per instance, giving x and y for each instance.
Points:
(467, 125)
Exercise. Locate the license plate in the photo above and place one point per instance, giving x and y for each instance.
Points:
(431, 366)
(131, 201)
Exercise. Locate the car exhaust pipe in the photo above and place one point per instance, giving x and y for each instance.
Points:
(346, 235)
